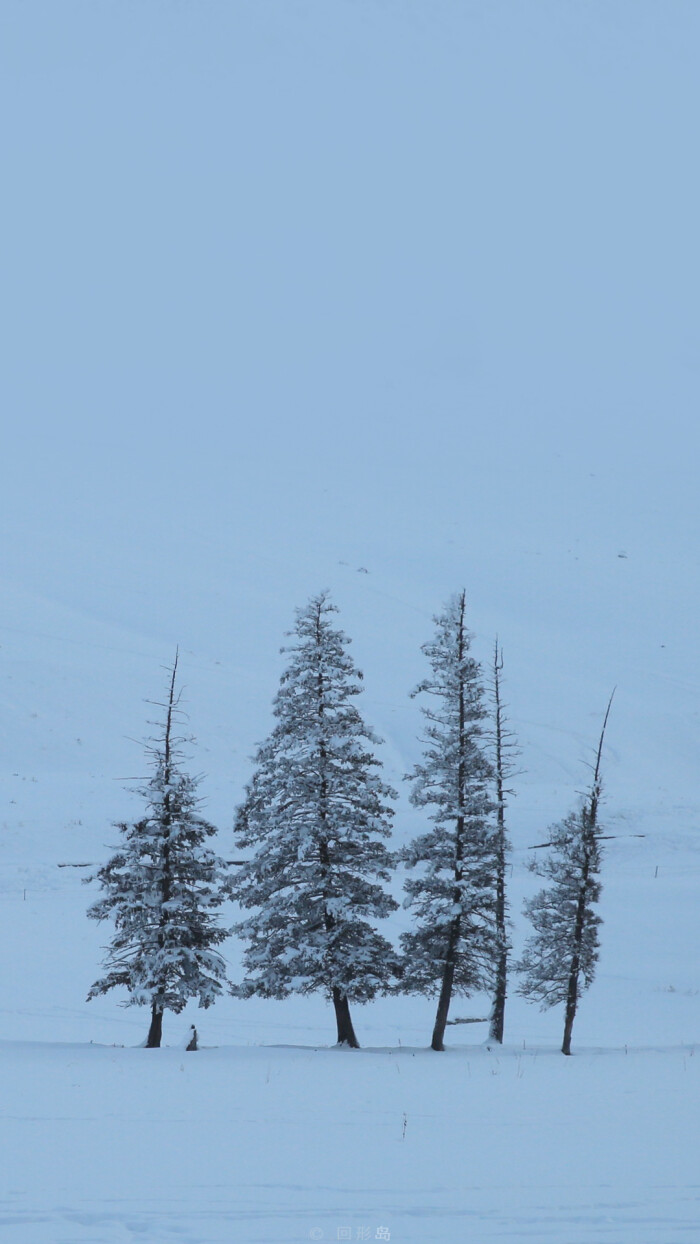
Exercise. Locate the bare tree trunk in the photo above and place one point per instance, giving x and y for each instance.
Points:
(498, 1014)
(502, 741)
(346, 1032)
(155, 1032)
(499, 1001)
(443, 1010)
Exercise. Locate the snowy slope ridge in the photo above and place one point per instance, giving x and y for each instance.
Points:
(390, 299)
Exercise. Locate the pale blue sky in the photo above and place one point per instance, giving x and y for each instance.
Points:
(293, 278)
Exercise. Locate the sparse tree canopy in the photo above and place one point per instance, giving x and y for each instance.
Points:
(560, 956)
(315, 815)
(162, 889)
(572, 867)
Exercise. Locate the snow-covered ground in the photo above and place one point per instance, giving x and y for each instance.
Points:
(286, 1143)
(390, 298)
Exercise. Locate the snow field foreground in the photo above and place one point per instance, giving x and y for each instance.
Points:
(282, 1145)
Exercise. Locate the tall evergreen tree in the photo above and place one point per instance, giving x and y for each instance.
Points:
(315, 814)
(162, 890)
(560, 956)
(452, 896)
(504, 747)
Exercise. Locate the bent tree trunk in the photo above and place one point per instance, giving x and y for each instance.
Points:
(346, 1032)
(448, 975)
(155, 1032)
(438, 1041)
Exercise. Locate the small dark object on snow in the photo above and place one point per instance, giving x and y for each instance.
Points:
(192, 1045)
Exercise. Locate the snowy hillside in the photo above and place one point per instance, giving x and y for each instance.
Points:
(391, 299)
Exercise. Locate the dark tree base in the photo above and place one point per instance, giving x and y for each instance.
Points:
(443, 1010)
(572, 994)
(346, 1032)
(569, 1024)
(155, 1032)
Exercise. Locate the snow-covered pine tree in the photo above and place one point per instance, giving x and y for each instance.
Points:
(162, 890)
(315, 814)
(560, 956)
(452, 896)
(504, 748)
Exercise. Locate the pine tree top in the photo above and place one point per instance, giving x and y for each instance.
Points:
(315, 813)
(163, 887)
